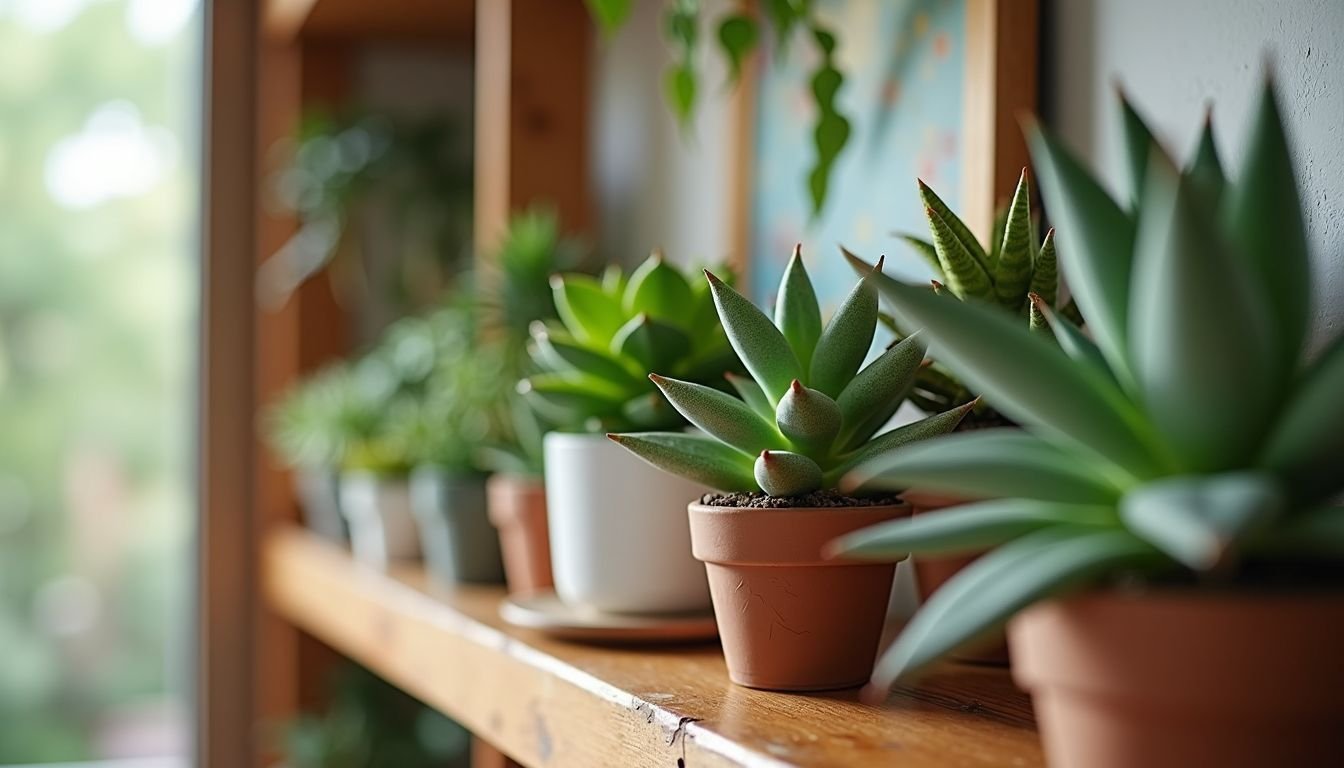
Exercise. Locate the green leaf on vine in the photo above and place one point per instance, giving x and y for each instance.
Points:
(738, 36)
(785, 16)
(610, 14)
(832, 129)
(679, 87)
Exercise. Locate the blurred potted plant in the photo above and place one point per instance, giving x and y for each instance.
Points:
(1165, 545)
(789, 619)
(611, 515)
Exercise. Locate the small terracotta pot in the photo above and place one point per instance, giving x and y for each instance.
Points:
(517, 507)
(933, 572)
(790, 620)
(1182, 679)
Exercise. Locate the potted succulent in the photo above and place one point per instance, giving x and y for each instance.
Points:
(790, 620)
(1164, 546)
(619, 542)
(516, 501)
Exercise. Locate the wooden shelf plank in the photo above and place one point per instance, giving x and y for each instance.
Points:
(448, 20)
(546, 702)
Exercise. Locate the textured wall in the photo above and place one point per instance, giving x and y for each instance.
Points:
(1174, 57)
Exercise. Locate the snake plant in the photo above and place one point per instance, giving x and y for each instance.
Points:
(810, 410)
(1194, 441)
(594, 361)
(1017, 272)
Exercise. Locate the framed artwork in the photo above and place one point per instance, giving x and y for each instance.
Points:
(933, 91)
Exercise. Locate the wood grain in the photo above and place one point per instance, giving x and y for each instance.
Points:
(441, 20)
(550, 703)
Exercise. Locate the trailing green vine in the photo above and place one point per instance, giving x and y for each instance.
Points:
(738, 34)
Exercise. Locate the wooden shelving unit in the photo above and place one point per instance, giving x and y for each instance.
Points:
(550, 703)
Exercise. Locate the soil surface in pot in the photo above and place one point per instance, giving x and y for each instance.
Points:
(825, 498)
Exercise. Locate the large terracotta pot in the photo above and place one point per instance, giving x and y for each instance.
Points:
(619, 538)
(517, 507)
(1171, 680)
(790, 620)
(460, 546)
(377, 509)
(933, 572)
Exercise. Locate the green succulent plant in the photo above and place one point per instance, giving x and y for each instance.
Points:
(810, 411)
(593, 363)
(315, 423)
(1014, 272)
(1193, 442)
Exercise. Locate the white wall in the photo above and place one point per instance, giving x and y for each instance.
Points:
(1174, 57)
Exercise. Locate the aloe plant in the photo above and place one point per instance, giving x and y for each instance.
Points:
(1193, 440)
(611, 332)
(810, 411)
(1017, 272)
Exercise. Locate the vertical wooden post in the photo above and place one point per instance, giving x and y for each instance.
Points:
(532, 92)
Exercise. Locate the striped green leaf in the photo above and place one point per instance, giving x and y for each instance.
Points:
(1045, 272)
(960, 232)
(1012, 275)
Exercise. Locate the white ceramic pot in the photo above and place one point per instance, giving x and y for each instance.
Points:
(620, 538)
(378, 511)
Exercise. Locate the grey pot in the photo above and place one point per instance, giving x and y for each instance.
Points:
(318, 489)
(458, 542)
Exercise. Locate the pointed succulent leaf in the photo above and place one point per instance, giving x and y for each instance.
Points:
(761, 346)
(613, 280)
(1096, 242)
(751, 394)
(1197, 355)
(1028, 379)
(658, 290)
(926, 251)
(966, 275)
(649, 410)
(871, 398)
(784, 473)
(721, 415)
(653, 344)
(847, 338)
(960, 232)
(1201, 520)
(1045, 272)
(1071, 339)
(564, 398)
(563, 355)
(694, 457)
(1036, 321)
(983, 596)
(1308, 440)
(1012, 275)
(1205, 169)
(1263, 218)
(990, 463)
(589, 312)
(969, 528)
(1139, 141)
(929, 427)
(809, 419)
(797, 313)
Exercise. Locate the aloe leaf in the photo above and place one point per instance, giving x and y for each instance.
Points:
(990, 463)
(926, 251)
(1096, 241)
(797, 314)
(658, 290)
(565, 356)
(965, 274)
(655, 345)
(591, 314)
(761, 346)
(1139, 141)
(1072, 341)
(847, 338)
(968, 528)
(752, 394)
(1308, 440)
(982, 597)
(809, 419)
(567, 399)
(694, 457)
(929, 427)
(720, 414)
(870, 399)
(1205, 169)
(1263, 216)
(960, 232)
(1027, 378)
(1012, 275)
(784, 473)
(1036, 322)
(1201, 520)
(649, 410)
(1045, 271)
(1197, 356)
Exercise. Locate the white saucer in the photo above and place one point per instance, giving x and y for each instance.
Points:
(544, 612)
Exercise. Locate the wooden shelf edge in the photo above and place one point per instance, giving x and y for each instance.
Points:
(544, 702)
(285, 21)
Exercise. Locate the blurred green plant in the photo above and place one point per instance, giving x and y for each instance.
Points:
(810, 410)
(1192, 442)
(594, 361)
(738, 34)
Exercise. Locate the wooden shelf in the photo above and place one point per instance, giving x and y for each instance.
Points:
(449, 20)
(546, 702)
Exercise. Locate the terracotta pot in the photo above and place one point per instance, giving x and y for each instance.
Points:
(789, 620)
(1182, 679)
(933, 572)
(517, 507)
(460, 546)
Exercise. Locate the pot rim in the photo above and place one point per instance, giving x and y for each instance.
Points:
(753, 536)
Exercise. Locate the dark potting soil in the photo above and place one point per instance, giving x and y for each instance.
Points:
(827, 498)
